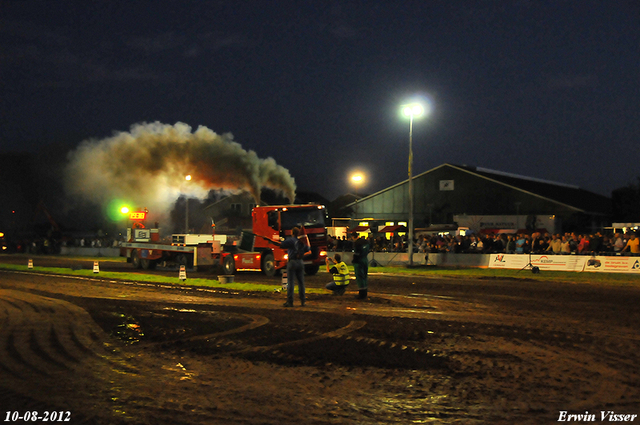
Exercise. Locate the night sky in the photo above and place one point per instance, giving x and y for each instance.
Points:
(547, 89)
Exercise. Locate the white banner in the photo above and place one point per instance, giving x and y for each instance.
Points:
(568, 263)
(617, 264)
(508, 261)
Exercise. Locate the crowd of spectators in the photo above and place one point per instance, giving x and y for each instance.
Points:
(49, 245)
(535, 243)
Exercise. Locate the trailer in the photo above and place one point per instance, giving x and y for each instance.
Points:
(257, 249)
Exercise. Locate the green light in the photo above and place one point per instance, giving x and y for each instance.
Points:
(117, 209)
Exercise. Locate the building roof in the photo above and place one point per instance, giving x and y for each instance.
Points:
(570, 195)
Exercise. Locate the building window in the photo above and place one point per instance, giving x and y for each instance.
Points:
(237, 208)
(446, 185)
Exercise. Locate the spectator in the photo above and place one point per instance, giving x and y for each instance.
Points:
(556, 245)
(618, 243)
(583, 245)
(633, 245)
(536, 243)
(573, 242)
(511, 244)
(565, 247)
(607, 245)
(596, 243)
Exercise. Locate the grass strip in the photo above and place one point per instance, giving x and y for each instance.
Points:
(141, 277)
(607, 279)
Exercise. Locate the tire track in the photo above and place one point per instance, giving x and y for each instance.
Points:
(49, 337)
(255, 321)
(352, 326)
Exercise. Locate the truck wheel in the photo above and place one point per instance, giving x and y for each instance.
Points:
(229, 265)
(135, 260)
(311, 270)
(268, 264)
(148, 264)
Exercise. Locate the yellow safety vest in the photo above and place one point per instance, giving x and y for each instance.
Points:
(342, 277)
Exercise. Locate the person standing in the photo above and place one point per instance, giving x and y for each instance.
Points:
(618, 243)
(360, 263)
(520, 244)
(340, 272)
(296, 250)
(556, 245)
(633, 244)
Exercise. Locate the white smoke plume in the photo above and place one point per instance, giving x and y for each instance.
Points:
(148, 165)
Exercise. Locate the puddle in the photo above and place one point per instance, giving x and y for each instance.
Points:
(129, 330)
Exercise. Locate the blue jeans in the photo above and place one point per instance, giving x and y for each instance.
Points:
(295, 268)
(336, 288)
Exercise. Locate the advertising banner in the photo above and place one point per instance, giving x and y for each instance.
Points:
(508, 261)
(615, 264)
(569, 263)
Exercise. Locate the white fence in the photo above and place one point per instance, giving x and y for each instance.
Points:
(575, 263)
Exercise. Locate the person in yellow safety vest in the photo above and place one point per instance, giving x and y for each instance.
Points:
(340, 272)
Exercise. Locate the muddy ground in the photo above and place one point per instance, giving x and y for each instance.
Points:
(418, 350)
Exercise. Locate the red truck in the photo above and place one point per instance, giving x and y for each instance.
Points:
(254, 250)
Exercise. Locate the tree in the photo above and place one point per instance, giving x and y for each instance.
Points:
(626, 203)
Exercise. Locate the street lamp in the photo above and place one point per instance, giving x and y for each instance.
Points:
(123, 220)
(186, 198)
(411, 111)
(357, 179)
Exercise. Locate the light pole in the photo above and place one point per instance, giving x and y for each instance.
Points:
(357, 179)
(414, 110)
(186, 217)
(124, 210)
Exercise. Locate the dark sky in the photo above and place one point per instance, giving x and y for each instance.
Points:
(547, 89)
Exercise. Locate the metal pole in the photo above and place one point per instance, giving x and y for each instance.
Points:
(186, 218)
(356, 201)
(411, 191)
(186, 198)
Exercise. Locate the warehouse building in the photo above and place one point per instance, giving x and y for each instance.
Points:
(485, 200)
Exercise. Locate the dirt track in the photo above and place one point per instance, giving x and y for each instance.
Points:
(420, 350)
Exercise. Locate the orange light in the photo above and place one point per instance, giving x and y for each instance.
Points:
(138, 215)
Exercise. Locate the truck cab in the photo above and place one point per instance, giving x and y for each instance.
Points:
(271, 224)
